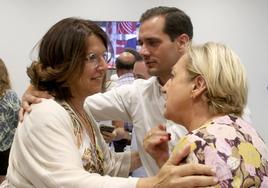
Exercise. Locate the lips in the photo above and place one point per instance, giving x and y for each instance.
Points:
(150, 63)
(97, 78)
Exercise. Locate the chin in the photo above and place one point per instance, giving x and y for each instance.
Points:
(153, 71)
(94, 91)
(166, 115)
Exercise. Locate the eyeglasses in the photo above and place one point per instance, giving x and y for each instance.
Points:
(95, 59)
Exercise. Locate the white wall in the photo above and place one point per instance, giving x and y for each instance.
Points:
(241, 24)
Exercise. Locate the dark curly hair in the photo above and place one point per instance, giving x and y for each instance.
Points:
(62, 52)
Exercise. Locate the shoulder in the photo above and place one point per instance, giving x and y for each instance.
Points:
(10, 100)
(10, 95)
(47, 106)
(48, 112)
(144, 86)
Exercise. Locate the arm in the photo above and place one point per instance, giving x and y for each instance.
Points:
(112, 105)
(46, 146)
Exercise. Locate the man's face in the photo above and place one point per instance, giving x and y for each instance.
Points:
(156, 47)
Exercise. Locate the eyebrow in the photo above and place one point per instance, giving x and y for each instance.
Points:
(149, 39)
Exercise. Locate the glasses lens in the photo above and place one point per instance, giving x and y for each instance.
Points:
(107, 56)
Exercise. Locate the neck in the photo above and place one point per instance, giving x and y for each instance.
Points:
(163, 79)
(77, 103)
(198, 116)
(122, 72)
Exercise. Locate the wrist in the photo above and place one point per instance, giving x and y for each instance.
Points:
(161, 162)
(149, 182)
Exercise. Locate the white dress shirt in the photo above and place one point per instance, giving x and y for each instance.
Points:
(141, 103)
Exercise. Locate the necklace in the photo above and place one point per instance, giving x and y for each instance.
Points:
(84, 120)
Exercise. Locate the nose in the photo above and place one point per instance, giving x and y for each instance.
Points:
(102, 64)
(144, 50)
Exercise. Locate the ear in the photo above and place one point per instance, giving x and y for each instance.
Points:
(182, 42)
(199, 86)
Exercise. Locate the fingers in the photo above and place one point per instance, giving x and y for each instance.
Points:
(154, 139)
(196, 169)
(34, 96)
(21, 114)
(25, 107)
(162, 127)
(198, 181)
(40, 94)
(157, 131)
(108, 137)
(178, 155)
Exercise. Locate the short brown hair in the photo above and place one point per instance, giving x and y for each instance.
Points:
(176, 21)
(62, 53)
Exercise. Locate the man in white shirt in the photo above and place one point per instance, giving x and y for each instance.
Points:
(163, 36)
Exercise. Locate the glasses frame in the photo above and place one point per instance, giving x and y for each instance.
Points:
(96, 59)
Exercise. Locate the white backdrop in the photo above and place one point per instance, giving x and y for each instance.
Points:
(241, 24)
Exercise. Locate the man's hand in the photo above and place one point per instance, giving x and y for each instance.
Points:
(31, 96)
(155, 143)
(108, 137)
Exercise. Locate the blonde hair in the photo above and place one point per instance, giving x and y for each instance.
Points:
(224, 74)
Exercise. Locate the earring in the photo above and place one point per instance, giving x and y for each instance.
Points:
(192, 94)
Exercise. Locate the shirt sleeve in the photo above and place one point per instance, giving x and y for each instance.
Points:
(112, 105)
(45, 145)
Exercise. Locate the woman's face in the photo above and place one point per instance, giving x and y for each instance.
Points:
(90, 81)
(178, 92)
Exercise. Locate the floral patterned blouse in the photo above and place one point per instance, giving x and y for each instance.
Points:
(91, 154)
(9, 108)
(233, 148)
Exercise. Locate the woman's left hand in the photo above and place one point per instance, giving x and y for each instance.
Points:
(155, 143)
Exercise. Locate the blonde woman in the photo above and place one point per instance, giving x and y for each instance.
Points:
(207, 94)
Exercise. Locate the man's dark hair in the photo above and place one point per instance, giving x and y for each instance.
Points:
(135, 53)
(176, 21)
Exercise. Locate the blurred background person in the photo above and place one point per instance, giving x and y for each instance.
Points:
(140, 70)
(9, 108)
(124, 64)
(207, 94)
